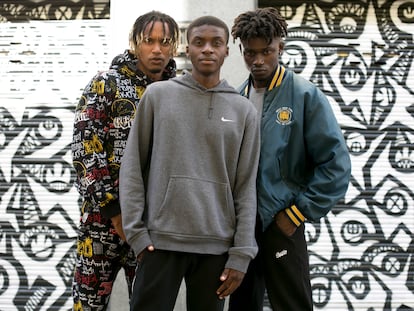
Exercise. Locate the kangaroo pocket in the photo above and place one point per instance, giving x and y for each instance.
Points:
(196, 207)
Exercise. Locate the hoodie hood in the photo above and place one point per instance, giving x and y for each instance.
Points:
(187, 79)
(127, 64)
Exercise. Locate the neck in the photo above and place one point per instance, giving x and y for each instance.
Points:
(154, 76)
(208, 81)
(258, 84)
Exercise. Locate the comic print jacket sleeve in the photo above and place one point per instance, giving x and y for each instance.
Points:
(102, 122)
(90, 158)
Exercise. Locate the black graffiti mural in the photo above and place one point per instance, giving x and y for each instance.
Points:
(53, 10)
(360, 53)
(38, 203)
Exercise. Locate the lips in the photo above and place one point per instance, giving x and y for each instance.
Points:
(258, 70)
(207, 60)
(157, 60)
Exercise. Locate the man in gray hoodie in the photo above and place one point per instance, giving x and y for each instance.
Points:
(188, 182)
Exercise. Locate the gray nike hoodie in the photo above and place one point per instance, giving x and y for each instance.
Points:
(188, 173)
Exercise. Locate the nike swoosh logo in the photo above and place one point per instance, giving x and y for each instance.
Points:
(226, 120)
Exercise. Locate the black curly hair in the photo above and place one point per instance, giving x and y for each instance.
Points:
(208, 20)
(264, 23)
(137, 33)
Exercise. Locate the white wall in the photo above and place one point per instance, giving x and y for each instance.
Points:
(124, 12)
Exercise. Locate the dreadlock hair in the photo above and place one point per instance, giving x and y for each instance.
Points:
(136, 35)
(208, 20)
(266, 23)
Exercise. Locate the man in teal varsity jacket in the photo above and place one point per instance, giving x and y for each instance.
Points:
(304, 166)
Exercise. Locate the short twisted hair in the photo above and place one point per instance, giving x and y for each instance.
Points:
(208, 20)
(137, 32)
(266, 23)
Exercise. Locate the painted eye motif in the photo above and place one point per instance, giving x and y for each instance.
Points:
(357, 142)
(353, 70)
(321, 290)
(353, 231)
(396, 203)
(358, 286)
(48, 128)
(39, 241)
(405, 12)
(347, 19)
(389, 259)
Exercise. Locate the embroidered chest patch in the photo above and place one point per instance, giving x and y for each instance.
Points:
(284, 115)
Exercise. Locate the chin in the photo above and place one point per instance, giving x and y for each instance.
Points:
(261, 77)
(156, 70)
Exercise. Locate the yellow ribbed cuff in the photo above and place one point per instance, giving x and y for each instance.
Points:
(295, 215)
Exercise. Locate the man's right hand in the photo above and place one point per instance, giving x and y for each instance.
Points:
(149, 248)
(117, 223)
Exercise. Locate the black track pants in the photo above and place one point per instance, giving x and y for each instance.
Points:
(282, 264)
(159, 276)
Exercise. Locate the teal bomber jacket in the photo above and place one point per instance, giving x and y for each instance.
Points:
(304, 167)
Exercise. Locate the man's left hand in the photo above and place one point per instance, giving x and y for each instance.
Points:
(231, 280)
(284, 223)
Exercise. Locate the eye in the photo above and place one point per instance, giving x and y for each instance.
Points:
(249, 53)
(148, 40)
(197, 42)
(218, 43)
(166, 41)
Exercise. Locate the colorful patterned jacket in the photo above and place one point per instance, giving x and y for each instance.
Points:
(103, 119)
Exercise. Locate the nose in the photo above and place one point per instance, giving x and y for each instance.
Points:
(207, 48)
(156, 48)
(258, 60)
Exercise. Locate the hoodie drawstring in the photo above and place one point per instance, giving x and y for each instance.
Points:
(210, 107)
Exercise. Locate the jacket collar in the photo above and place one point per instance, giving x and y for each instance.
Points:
(276, 80)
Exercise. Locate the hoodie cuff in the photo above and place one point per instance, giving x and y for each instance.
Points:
(295, 215)
(238, 262)
(111, 209)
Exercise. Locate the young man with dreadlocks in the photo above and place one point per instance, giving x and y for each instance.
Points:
(103, 118)
(304, 166)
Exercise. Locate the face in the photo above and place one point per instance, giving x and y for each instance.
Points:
(207, 48)
(262, 59)
(155, 50)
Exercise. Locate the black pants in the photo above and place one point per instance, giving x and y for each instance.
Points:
(282, 268)
(159, 276)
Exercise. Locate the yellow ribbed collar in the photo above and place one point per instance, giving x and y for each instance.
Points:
(276, 80)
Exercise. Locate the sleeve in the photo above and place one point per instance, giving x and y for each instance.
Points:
(95, 181)
(135, 162)
(330, 162)
(245, 248)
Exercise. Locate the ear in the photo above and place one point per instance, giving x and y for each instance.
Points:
(281, 47)
(186, 51)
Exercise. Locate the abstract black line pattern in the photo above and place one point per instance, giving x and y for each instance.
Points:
(360, 53)
(37, 200)
(53, 10)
